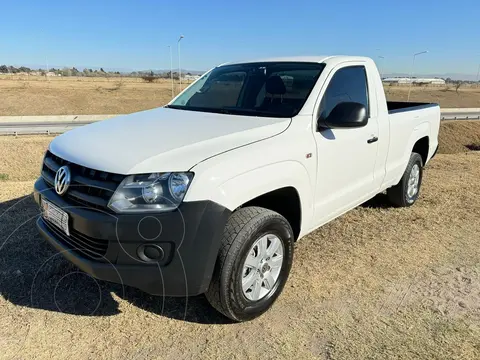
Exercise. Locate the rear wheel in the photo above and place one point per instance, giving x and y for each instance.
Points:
(406, 192)
(253, 264)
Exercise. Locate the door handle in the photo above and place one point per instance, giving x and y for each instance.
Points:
(372, 140)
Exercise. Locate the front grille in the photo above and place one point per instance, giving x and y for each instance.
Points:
(89, 187)
(89, 247)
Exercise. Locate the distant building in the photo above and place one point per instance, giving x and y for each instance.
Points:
(407, 80)
(191, 77)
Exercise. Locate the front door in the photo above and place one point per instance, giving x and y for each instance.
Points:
(345, 156)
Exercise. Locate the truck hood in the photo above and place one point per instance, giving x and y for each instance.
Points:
(161, 140)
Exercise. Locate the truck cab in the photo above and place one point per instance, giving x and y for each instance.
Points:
(209, 193)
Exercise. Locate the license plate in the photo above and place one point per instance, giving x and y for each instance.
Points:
(55, 215)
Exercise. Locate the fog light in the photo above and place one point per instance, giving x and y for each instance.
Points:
(150, 252)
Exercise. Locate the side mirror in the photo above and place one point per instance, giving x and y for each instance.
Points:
(345, 115)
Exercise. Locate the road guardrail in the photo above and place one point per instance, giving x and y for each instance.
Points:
(57, 124)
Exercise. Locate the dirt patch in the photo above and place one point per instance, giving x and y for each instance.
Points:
(20, 156)
(456, 136)
(449, 291)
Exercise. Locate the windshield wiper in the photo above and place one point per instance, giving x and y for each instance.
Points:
(199, 108)
(229, 111)
(254, 112)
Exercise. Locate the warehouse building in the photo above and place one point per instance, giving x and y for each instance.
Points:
(406, 80)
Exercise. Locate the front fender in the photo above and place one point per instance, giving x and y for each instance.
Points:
(233, 190)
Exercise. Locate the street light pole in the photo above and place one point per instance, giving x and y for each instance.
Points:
(413, 66)
(381, 68)
(46, 62)
(171, 67)
(179, 68)
(478, 73)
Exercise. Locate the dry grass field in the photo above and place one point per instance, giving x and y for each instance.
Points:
(446, 96)
(78, 96)
(62, 96)
(377, 283)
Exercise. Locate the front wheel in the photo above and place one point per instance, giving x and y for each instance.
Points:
(406, 192)
(253, 264)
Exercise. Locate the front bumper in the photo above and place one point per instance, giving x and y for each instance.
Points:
(189, 238)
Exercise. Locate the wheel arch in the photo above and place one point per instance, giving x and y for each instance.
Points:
(422, 147)
(285, 201)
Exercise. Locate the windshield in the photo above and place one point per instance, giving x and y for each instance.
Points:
(277, 89)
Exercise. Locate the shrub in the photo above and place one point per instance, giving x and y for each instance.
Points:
(149, 78)
(457, 86)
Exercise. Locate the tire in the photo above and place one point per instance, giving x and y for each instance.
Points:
(246, 228)
(399, 194)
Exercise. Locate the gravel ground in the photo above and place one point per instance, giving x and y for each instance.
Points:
(376, 283)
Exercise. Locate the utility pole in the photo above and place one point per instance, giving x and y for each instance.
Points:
(46, 72)
(413, 66)
(171, 67)
(478, 72)
(380, 68)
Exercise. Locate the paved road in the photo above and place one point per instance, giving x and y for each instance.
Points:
(26, 128)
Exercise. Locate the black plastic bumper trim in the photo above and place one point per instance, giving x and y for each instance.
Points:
(189, 237)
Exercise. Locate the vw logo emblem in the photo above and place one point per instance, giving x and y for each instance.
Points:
(62, 180)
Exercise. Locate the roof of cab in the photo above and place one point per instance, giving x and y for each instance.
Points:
(310, 59)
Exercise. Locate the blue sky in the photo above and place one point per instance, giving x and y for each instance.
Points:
(135, 34)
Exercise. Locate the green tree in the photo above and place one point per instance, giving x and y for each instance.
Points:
(66, 72)
(24, 69)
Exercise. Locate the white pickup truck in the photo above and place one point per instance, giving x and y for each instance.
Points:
(209, 193)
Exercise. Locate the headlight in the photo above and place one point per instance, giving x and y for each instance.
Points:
(150, 192)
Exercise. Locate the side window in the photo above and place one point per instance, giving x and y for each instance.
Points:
(347, 84)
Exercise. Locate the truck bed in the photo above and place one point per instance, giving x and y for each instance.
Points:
(406, 120)
(401, 106)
